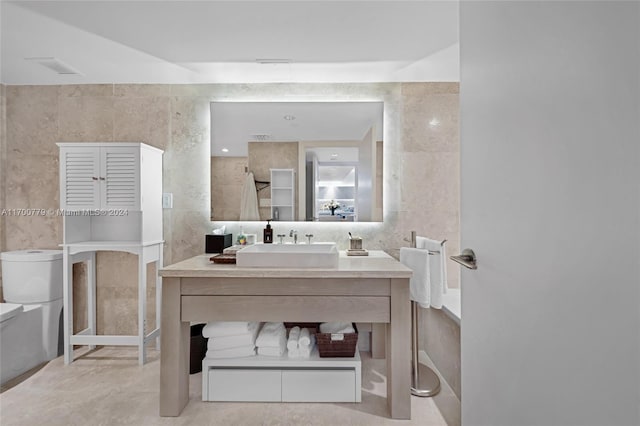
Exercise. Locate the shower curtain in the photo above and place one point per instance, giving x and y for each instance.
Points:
(249, 200)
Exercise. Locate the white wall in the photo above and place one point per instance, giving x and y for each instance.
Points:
(550, 150)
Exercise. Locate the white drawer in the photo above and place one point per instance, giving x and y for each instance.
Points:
(244, 385)
(319, 385)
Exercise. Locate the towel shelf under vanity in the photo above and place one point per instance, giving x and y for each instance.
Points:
(282, 379)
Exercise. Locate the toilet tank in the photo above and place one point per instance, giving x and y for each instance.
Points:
(31, 276)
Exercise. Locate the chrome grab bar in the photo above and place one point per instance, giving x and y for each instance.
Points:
(467, 259)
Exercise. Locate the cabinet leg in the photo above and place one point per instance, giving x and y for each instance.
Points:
(67, 295)
(91, 295)
(142, 307)
(159, 264)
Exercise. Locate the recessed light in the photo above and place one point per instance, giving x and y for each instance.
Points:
(225, 149)
(289, 117)
(434, 122)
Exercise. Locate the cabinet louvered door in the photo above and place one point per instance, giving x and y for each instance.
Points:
(121, 178)
(79, 179)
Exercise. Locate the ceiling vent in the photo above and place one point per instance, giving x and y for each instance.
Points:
(261, 137)
(54, 64)
(268, 61)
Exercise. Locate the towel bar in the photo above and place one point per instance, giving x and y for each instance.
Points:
(424, 381)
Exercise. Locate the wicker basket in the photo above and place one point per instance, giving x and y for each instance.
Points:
(334, 345)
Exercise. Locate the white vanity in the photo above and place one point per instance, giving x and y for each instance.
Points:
(372, 289)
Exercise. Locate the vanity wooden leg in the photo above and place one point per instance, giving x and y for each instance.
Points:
(378, 338)
(398, 350)
(174, 352)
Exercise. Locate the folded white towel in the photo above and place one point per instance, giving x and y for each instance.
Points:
(271, 351)
(272, 334)
(225, 342)
(238, 352)
(437, 269)
(420, 285)
(294, 334)
(336, 327)
(228, 328)
(304, 338)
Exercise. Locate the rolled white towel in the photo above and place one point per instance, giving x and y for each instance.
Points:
(229, 328)
(305, 352)
(272, 334)
(226, 342)
(304, 338)
(336, 327)
(294, 334)
(238, 352)
(270, 350)
(293, 353)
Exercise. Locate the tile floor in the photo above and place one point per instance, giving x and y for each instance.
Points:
(107, 387)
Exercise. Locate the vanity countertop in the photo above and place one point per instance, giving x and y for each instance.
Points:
(377, 265)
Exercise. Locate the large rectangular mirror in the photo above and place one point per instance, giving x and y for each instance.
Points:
(303, 161)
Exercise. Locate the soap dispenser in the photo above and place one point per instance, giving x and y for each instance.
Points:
(267, 234)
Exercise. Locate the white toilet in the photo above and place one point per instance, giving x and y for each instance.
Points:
(31, 319)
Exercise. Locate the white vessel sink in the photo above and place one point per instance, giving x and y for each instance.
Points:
(317, 255)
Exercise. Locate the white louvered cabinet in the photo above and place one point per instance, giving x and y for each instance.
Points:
(99, 177)
(110, 200)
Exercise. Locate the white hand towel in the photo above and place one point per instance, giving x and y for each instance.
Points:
(418, 261)
(336, 327)
(226, 342)
(294, 334)
(437, 269)
(249, 200)
(229, 328)
(270, 351)
(304, 339)
(232, 352)
(272, 334)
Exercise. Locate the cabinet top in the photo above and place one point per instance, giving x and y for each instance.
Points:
(109, 144)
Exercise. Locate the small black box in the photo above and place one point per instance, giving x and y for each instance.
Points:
(216, 243)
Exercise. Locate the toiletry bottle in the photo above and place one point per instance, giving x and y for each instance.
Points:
(267, 234)
(242, 239)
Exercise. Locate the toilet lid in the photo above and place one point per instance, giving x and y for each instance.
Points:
(8, 310)
(31, 255)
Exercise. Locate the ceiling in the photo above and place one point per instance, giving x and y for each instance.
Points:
(226, 41)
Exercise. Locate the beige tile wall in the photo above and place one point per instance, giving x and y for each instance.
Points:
(421, 179)
(264, 156)
(227, 180)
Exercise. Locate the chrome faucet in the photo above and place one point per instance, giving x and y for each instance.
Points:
(294, 234)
